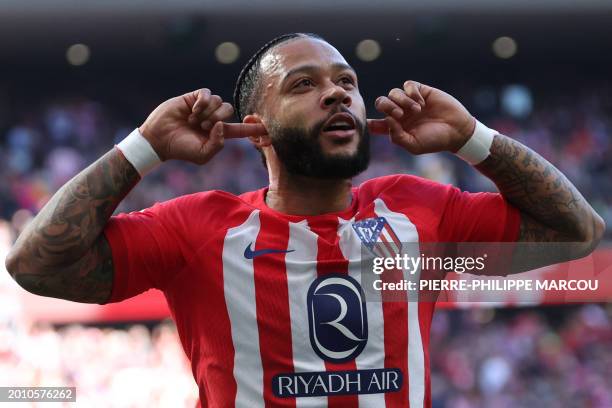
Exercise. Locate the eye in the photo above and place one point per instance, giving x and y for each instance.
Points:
(303, 82)
(347, 80)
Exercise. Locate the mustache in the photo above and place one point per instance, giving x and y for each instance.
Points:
(341, 109)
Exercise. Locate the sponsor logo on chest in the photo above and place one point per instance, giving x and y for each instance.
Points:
(338, 331)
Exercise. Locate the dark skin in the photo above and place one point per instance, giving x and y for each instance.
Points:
(64, 254)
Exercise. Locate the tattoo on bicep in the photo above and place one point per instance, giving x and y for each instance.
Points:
(65, 240)
(552, 207)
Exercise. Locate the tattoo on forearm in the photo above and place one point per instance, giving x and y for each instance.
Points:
(553, 209)
(63, 251)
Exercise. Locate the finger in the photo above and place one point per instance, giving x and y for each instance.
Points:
(413, 90)
(401, 137)
(215, 139)
(404, 101)
(378, 126)
(235, 130)
(214, 103)
(201, 101)
(224, 112)
(201, 150)
(203, 98)
(395, 128)
(388, 107)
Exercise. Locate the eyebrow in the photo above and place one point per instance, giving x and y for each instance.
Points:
(339, 66)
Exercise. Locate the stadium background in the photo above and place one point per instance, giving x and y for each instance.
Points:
(62, 106)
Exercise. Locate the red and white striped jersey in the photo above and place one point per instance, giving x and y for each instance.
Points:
(269, 307)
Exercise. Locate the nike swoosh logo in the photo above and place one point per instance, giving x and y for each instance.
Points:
(250, 254)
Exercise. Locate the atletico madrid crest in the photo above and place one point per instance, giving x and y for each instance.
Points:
(378, 236)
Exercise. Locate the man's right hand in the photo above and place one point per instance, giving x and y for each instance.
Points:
(191, 127)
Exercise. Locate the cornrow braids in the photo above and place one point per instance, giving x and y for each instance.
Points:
(247, 85)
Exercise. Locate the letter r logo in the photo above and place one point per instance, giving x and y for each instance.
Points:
(337, 318)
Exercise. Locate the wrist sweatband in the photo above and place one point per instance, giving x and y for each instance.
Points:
(139, 152)
(478, 146)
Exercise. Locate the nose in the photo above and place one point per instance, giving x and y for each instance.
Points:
(334, 96)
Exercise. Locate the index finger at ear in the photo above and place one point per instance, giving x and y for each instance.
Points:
(413, 90)
(235, 130)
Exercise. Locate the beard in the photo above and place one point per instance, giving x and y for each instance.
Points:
(299, 150)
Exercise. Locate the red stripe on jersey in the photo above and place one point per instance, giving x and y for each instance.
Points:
(392, 234)
(331, 260)
(216, 384)
(395, 315)
(392, 251)
(273, 318)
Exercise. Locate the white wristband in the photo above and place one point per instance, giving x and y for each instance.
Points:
(478, 146)
(139, 152)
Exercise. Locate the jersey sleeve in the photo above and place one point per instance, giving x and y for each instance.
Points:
(444, 213)
(478, 217)
(147, 248)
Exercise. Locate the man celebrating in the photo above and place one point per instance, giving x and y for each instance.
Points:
(265, 287)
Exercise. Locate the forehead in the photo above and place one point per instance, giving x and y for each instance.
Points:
(294, 53)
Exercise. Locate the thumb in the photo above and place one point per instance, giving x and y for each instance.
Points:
(209, 147)
(395, 128)
(402, 137)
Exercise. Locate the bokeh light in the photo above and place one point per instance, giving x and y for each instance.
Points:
(78, 54)
(368, 50)
(504, 47)
(227, 52)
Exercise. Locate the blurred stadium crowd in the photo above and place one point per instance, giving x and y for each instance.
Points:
(552, 357)
(544, 357)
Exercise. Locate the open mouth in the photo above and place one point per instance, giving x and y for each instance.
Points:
(339, 126)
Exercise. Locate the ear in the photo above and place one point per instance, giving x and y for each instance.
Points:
(259, 140)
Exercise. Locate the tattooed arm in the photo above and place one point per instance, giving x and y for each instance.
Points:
(552, 209)
(63, 252)
(423, 119)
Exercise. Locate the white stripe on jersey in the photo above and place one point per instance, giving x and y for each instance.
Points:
(239, 291)
(301, 272)
(373, 354)
(406, 232)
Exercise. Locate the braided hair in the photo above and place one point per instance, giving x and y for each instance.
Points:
(246, 91)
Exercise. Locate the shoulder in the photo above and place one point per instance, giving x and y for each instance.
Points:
(207, 206)
(404, 185)
(207, 198)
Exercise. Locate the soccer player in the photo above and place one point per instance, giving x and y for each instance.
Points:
(264, 287)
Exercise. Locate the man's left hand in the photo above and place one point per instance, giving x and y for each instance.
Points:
(423, 119)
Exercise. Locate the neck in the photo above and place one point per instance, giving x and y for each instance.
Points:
(298, 195)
